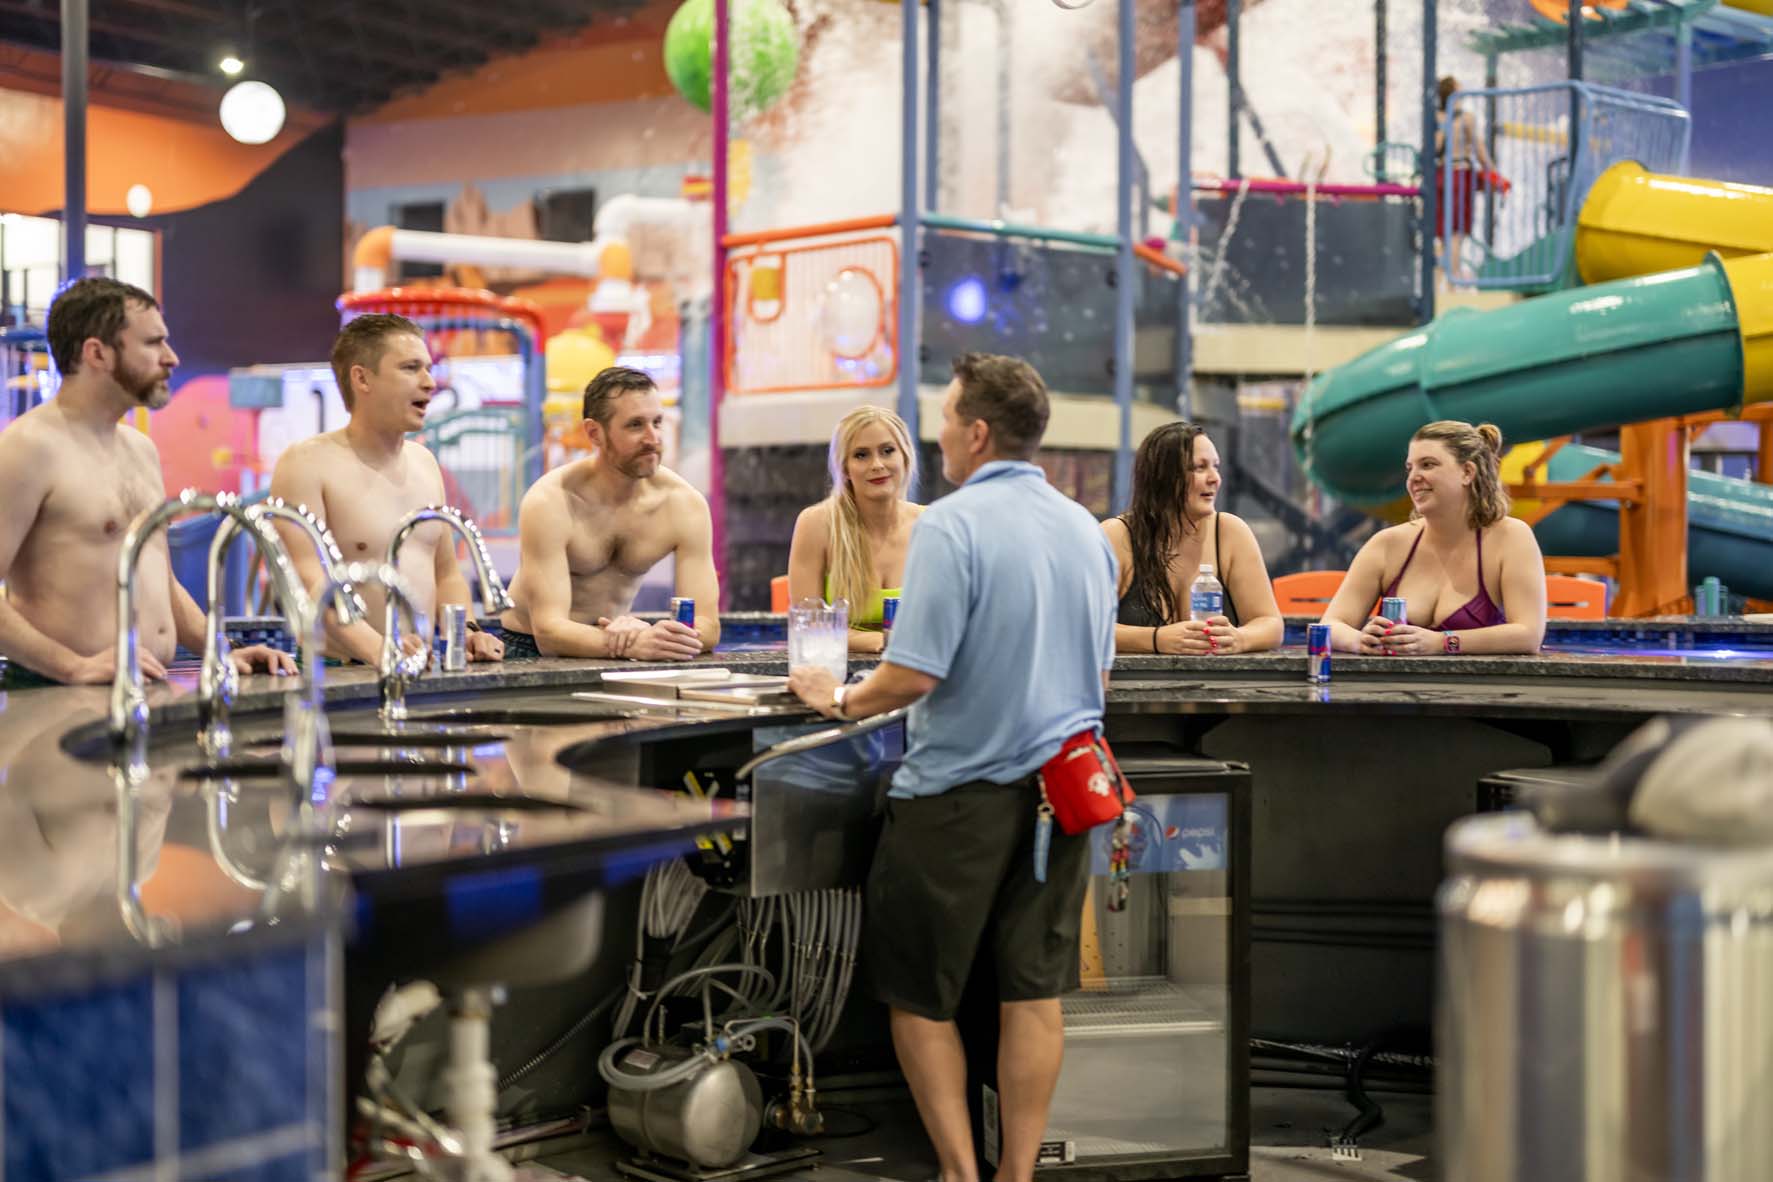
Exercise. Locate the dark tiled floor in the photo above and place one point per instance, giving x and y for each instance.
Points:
(1290, 1132)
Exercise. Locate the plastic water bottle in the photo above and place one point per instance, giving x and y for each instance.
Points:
(1206, 597)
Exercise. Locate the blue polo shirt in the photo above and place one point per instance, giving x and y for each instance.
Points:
(1008, 600)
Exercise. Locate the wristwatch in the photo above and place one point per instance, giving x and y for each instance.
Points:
(837, 693)
(1450, 643)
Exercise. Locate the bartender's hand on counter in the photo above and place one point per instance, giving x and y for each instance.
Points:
(255, 658)
(1189, 638)
(637, 640)
(813, 685)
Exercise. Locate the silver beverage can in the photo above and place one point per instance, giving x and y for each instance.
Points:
(453, 624)
(1392, 607)
(683, 610)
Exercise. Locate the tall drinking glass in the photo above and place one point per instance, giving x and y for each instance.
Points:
(819, 635)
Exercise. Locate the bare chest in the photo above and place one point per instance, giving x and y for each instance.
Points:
(90, 506)
(630, 542)
(1446, 582)
(365, 509)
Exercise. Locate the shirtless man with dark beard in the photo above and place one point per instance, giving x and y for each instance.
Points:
(74, 478)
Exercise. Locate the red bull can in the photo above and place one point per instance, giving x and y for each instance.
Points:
(683, 610)
(889, 608)
(453, 633)
(1317, 652)
(1392, 607)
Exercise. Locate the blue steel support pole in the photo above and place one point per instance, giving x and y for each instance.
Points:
(1184, 207)
(1233, 88)
(1492, 80)
(1123, 262)
(1380, 81)
(718, 326)
(1573, 40)
(1005, 46)
(1430, 194)
(1684, 65)
(910, 273)
(1578, 178)
(74, 52)
(932, 126)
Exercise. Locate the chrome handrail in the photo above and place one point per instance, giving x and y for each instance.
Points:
(818, 739)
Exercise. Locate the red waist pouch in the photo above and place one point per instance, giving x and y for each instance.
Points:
(1083, 784)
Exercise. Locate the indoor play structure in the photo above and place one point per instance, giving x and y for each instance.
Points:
(1666, 326)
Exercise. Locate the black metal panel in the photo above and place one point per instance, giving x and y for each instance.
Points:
(1052, 305)
(1366, 261)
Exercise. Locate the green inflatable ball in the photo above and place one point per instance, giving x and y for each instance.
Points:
(765, 53)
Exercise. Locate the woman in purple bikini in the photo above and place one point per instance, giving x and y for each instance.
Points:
(1471, 577)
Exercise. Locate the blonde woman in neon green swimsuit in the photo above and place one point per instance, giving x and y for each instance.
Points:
(852, 544)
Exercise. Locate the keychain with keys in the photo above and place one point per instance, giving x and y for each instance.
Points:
(1120, 871)
(1043, 839)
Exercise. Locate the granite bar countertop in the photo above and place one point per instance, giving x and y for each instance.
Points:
(58, 813)
(492, 798)
(175, 701)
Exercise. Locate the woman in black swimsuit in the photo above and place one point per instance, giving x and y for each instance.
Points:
(1173, 528)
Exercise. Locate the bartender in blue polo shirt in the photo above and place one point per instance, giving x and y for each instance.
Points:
(1002, 647)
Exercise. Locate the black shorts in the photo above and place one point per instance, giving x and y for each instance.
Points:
(519, 646)
(14, 676)
(954, 876)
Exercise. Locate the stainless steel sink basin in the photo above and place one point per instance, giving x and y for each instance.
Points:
(410, 735)
(247, 768)
(517, 716)
(478, 801)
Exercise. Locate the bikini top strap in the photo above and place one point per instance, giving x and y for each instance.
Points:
(1408, 559)
(1480, 563)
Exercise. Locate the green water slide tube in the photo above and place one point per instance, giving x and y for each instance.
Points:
(1574, 361)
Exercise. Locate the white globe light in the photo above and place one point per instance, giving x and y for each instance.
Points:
(139, 200)
(252, 112)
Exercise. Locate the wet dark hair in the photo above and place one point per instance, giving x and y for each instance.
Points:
(1156, 520)
(90, 308)
(1008, 394)
(610, 384)
(1444, 89)
(362, 341)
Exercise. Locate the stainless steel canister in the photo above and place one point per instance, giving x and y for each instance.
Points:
(1605, 1008)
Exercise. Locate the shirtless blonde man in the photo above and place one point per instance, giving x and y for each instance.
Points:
(592, 529)
(75, 477)
(365, 477)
